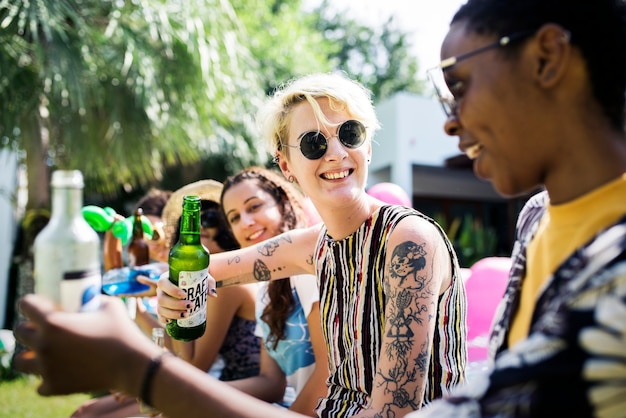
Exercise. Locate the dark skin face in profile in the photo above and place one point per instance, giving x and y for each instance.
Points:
(517, 116)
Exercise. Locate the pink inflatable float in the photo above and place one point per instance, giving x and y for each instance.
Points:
(390, 193)
(485, 287)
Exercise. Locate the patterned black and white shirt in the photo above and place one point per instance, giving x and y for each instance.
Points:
(351, 274)
(573, 362)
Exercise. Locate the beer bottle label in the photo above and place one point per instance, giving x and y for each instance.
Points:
(195, 284)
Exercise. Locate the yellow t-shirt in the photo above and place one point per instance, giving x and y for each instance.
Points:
(561, 231)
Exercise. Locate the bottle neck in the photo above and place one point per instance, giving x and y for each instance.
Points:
(137, 228)
(67, 202)
(190, 226)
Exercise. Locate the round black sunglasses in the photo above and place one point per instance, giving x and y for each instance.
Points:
(313, 144)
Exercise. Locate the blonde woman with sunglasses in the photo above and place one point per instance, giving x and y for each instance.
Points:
(392, 300)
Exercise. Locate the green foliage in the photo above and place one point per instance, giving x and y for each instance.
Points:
(378, 57)
(283, 40)
(105, 84)
(20, 399)
(123, 90)
(470, 238)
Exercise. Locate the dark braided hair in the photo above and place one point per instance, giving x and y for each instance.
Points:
(289, 200)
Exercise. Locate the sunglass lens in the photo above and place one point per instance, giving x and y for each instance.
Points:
(209, 219)
(313, 145)
(352, 134)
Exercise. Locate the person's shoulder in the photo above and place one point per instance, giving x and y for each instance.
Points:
(399, 212)
(307, 233)
(409, 221)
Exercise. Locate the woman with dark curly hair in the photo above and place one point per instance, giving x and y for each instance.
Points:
(259, 204)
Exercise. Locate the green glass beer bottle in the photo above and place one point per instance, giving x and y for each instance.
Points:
(188, 265)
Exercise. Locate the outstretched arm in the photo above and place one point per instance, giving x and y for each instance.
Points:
(288, 254)
(104, 349)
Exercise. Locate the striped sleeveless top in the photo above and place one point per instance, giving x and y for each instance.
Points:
(352, 307)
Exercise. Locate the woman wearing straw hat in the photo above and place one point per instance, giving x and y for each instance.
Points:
(230, 322)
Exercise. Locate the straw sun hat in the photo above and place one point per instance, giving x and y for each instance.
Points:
(205, 189)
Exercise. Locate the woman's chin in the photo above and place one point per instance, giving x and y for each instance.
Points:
(480, 170)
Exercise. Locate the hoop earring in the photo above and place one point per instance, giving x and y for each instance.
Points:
(291, 179)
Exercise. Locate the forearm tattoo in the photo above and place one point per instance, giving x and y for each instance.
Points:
(234, 260)
(269, 247)
(409, 291)
(261, 272)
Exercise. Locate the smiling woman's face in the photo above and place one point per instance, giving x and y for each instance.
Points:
(252, 213)
(340, 174)
(498, 112)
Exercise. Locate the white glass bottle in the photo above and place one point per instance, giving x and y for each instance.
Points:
(67, 250)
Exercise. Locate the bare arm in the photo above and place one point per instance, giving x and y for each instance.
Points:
(269, 385)
(287, 254)
(416, 266)
(65, 345)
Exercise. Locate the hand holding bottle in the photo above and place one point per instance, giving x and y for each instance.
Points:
(137, 281)
(171, 300)
(188, 263)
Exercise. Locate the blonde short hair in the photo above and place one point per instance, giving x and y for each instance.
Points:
(342, 93)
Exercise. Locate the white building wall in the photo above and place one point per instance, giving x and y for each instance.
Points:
(411, 134)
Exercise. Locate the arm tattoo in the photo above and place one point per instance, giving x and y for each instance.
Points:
(409, 289)
(234, 260)
(267, 248)
(261, 272)
(407, 259)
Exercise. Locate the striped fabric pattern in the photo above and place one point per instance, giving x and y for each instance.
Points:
(352, 306)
